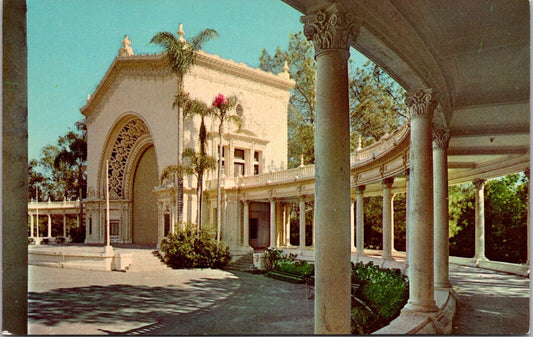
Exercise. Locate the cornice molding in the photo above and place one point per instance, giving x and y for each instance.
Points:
(155, 67)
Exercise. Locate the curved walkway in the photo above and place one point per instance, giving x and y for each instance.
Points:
(214, 302)
(489, 302)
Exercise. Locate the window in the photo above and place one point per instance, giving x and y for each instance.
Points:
(256, 162)
(115, 227)
(238, 162)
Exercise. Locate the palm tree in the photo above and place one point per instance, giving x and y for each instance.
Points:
(181, 56)
(199, 161)
(222, 107)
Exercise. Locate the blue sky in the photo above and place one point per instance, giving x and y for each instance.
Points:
(71, 44)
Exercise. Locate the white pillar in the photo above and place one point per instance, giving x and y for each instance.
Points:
(480, 220)
(49, 226)
(287, 224)
(31, 225)
(407, 221)
(441, 138)
(360, 218)
(64, 225)
(273, 242)
(421, 105)
(331, 31)
(302, 222)
(387, 218)
(246, 223)
(352, 225)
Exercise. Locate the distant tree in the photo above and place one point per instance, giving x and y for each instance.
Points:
(376, 100)
(462, 219)
(376, 104)
(506, 218)
(222, 111)
(71, 160)
(181, 56)
(301, 111)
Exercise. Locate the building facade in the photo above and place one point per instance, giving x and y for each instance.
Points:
(132, 138)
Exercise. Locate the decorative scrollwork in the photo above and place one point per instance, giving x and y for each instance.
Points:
(479, 183)
(331, 28)
(421, 103)
(441, 138)
(118, 160)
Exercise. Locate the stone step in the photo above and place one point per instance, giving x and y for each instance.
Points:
(241, 263)
(146, 260)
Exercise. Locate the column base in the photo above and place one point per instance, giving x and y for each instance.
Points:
(413, 309)
(477, 259)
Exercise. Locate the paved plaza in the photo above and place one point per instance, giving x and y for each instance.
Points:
(198, 302)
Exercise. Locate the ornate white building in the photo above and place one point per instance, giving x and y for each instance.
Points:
(132, 126)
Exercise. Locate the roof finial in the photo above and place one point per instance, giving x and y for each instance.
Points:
(359, 144)
(181, 33)
(126, 50)
(285, 73)
(302, 160)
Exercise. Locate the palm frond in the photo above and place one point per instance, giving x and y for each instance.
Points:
(204, 36)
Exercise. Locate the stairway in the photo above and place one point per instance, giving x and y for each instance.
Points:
(144, 260)
(242, 263)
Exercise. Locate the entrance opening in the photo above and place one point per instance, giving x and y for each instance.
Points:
(144, 199)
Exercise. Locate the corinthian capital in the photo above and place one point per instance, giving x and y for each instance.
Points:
(421, 103)
(331, 28)
(479, 183)
(441, 138)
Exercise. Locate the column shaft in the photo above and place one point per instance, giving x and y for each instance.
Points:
(407, 235)
(246, 223)
(360, 218)
(352, 226)
(302, 222)
(387, 218)
(480, 220)
(49, 226)
(64, 226)
(273, 242)
(31, 225)
(440, 206)
(421, 296)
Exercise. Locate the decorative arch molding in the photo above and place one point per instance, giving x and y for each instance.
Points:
(126, 142)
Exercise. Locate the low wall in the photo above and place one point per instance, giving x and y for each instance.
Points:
(88, 258)
(505, 267)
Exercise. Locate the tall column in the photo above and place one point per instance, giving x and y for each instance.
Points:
(352, 225)
(246, 223)
(392, 221)
(302, 222)
(360, 218)
(441, 138)
(273, 242)
(64, 226)
(31, 225)
(387, 218)
(331, 31)
(480, 220)
(49, 226)
(421, 104)
(407, 221)
(287, 225)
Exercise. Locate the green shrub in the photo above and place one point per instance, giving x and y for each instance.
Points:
(186, 249)
(384, 292)
(300, 268)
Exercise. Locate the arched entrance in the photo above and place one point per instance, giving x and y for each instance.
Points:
(144, 200)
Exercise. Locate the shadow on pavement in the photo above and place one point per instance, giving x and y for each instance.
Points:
(107, 305)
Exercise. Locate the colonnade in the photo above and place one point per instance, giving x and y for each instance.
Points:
(34, 224)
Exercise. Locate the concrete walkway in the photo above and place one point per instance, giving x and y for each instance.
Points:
(199, 302)
(489, 302)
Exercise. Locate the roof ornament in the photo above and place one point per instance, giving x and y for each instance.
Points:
(359, 144)
(181, 34)
(126, 50)
(285, 73)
